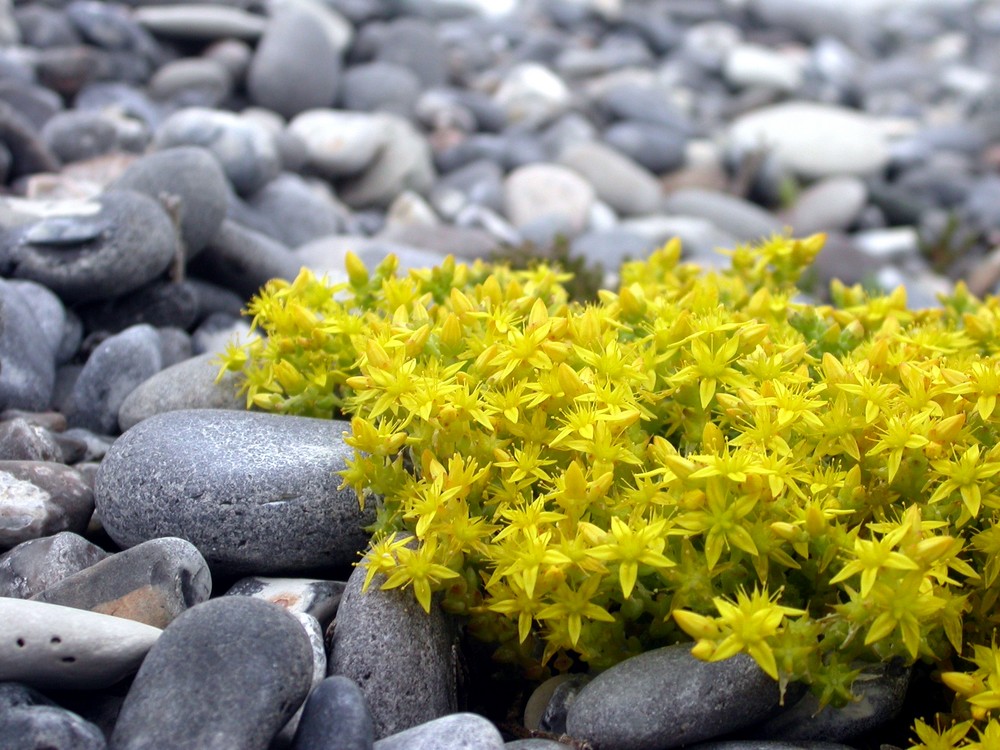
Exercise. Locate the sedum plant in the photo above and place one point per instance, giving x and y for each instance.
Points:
(699, 456)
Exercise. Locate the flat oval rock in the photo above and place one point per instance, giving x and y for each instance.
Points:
(65, 230)
(51, 646)
(256, 493)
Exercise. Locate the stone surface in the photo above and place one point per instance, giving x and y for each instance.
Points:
(254, 492)
(152, 583)
(666, 698)
(339, 142)
(39, 498)
(746, 221)
(460, 731)
(49, 646)
(315, 598)
(404, 163)
(538, 191)
(27, 370)
(335, 717)
(227, 673)
(38, 564)
(47, 727)
(618, 181)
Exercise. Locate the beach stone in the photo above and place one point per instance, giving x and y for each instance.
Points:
(77, 135)
(41, 26)
(381, 634)
(656, 147)
(314, 630)
(538, 191)
(47, 727)
(380, 87)
(195, 184)
(190, 384)
(748, 65)
(296, 65)
(54, 322)
(300, 210)
(167, 305)
(94, 249)
(37, 564)
(461, 242)
(338, 142)
(457, 731)
(112, 372)
(26, 150)
(617, 180)
(22, 441)
(773, 745)
(414, 44)
(534, 743)
(609, 248)
(256, 493)
(404, 163)
(192, 689)
(531, 95)
(813, 140)
(244, 148)
(27, 370)
(744, 220)
(151, 583)
(831, 204)
(192, 82)
(50, 646)
(200, 22)
(666, 698)
(335, 717)
(244, 260)
(316, 598)
(880, 690)
(39, 498)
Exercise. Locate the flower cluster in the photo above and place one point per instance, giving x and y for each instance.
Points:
(700, 455)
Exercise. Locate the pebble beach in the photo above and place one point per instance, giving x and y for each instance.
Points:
(179, 572)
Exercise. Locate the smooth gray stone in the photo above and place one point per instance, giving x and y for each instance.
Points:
(656, 147)
(404, 163)
(666, 698)
(610, 248)
(58, 325)
(881, 691)
(458, 731)
(415, 44)
(338, 142)
(444, 240)
(93, 250)
(47, 727)
(380, 87)
(194, 183)
(189, 384)
(298, 209)
(198, 21)
(772, 745)
(382, 634)
(17, 695)
(741, 218)
(315, 598)
(40, 498)
(244, 148)
(52, 647)
(314, 630)
(243, 260)
(535, 743)
(565, 693)
(627, 187)
(227, 673)
(152, 583)
(335, 717)
(192, 82)
(112, 372)
(538, 191)
(256, 493)
(296, 65)
(37, 564)
(27, 370)
(22, 441)
(830, 204)
(77, 135)
(27, 152)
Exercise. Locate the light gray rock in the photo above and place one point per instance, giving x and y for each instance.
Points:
(532, 95)
(315, 632)
(244, 260)
(830, 204)
(300, 210)
(666, 698)
(459, 731)
(404, 163)
(382, 634)
(338, 142)
(813, 140)
(629, 189)
(197, 21)
(27, 369)
(749, 65)
(190, 384)
(37, 564)
(47, 727)
(50, 646)
(255, 493)
(746, 221)
(541, 191)
(152, 583)
(39, 498)
(316, 598)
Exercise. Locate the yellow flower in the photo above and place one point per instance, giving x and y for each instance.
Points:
(418, 568)
(632, 547)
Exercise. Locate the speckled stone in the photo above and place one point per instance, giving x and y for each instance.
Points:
(37, 564)
(460, 731)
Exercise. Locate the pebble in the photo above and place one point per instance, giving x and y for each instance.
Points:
(617, 180)
(335, 717)
(403, 163)
(665, 698)
(381, 634)
(39, 498)
(38, 564)
(27, 371)
(48, 727)
(338, 142)
(658, 148)
(255, 493)
(226, 673)
(151, 583)
(244, 260)
(744, 220)
(316, 598)
(199, 22)
(539, 191)
(380, 87)
(459, 731)
(299, 210)
(830, 204)
(51, 646)
(532, 95)
(22, 441)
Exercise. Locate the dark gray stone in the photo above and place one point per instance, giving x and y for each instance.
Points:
(77, 135)
(554, 716)
(28, 151)
(47, 727)
(296, 65)
(666, 698)
(227, 673)
(298, 209)
(256, 493)
(243, 260)
(740, 218)
(56, 324)
(27, 369)
(160, 303)
(22, 441)
(382, 634)
(39, 498)
(335, 717)
(458, 731)
(112, 372)
(94, 250)
(37, 564)
(658, 148)
(193, 182)
(414, 44)
(380, 87)
(318, 599)
(153, 583)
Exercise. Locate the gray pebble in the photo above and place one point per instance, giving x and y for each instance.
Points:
(27, 370)
(335, 717)
(23, 441)
(403, 164)
(628, 188)
(380, 87)
(460, 731)
(744, 220)
(243, 260)
(656, 147)
(316, 598)
(47, 727)
(298, 209)
(200, 22)
(39, 498)
(192, 82)
(37, 564)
